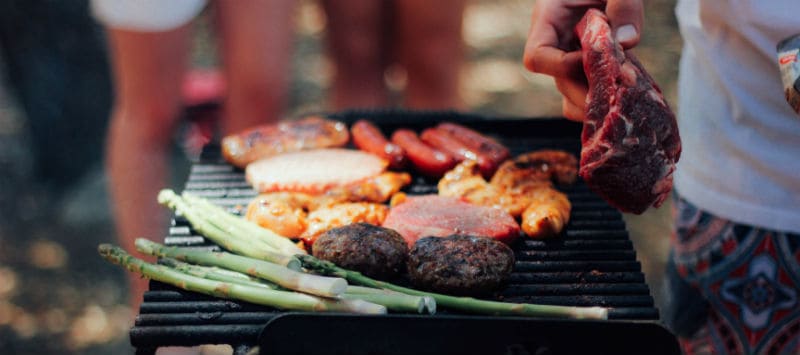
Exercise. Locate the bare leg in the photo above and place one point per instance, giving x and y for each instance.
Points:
(256, 39)
(355, 34)
(431, 50)
(148, 69)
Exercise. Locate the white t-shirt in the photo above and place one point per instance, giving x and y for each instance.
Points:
(741, 139)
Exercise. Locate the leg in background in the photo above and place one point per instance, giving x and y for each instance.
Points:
(355, 42)
(148, 69)
(255, 40)
(431, 50)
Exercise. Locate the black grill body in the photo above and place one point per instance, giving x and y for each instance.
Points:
(592, 264)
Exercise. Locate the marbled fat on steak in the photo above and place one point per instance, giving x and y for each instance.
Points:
(630, 137)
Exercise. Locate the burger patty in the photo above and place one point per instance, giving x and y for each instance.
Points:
(371, 250)
(460, 264)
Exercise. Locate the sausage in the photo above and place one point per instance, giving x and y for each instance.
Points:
(427, 160)
(449, 144)
(368, 137)
(481, 144)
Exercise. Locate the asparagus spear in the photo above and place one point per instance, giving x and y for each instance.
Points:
(257, 295)
(287, 278)
(202, 223)
(467, 304)
(242, 227)
(394, 301)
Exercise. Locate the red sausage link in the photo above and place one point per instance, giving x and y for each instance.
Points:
(481, 144)
(368, 137)
(449, 144)
(427, 160)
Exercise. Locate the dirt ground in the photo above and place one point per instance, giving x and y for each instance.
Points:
(58, 296)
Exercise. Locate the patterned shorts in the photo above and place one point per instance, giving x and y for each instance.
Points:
(733, 288)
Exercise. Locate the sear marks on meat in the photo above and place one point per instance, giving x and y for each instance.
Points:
(433, 215)
(630, 138)
(371, 250)
(460, 265)
(264, 141)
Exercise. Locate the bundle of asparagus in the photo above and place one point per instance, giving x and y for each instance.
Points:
(269, 257)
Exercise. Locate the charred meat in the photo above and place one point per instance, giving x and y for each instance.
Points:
(374, 251)
(460, 265)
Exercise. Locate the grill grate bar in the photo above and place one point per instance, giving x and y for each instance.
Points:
(576, 277)
(577, 289)
(581, 265)
(557, 255)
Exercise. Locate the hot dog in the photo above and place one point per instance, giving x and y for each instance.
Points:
(369, 138)
(427, 160)
(481, 144)
(449, 144)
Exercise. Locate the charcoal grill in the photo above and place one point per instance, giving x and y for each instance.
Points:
(592, 264)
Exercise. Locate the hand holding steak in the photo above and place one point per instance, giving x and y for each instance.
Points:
(630, 137)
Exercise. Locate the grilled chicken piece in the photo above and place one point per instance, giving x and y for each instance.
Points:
(540, 165)
(287, 213)
(282, 212)
(465, 181)
(527, 178)
(522, 187)
(325, 218)
(547, 213)
(376, 189)
(264, 141)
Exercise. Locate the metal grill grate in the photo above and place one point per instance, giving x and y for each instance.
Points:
(592, 264)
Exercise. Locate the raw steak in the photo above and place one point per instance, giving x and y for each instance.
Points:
(630, 138)
(440, 216)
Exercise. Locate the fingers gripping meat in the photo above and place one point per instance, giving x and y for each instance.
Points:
(368, 137)
(426, 159)
(264, 141)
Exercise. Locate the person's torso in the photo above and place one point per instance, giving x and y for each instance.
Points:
(741, 139)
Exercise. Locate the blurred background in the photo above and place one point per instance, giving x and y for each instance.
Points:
(56, 294)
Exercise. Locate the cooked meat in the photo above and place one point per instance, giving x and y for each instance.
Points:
(540, 165)
(433, 215)
(460, 265)
(282, 212)
(630, 137)
(376, 189)
(313, 171)
(520, 187)
(371, 250)
(264, 141)
(465, 181)
(547, 213)
(325, 218)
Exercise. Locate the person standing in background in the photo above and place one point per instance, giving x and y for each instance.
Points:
(149, 42)
(734, 273)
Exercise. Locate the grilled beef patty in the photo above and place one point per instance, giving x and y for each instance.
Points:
(371, 250)
(460, 264)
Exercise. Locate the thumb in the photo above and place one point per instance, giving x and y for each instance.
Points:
(627, 19)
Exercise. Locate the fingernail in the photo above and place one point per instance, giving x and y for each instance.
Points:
(626, 33)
